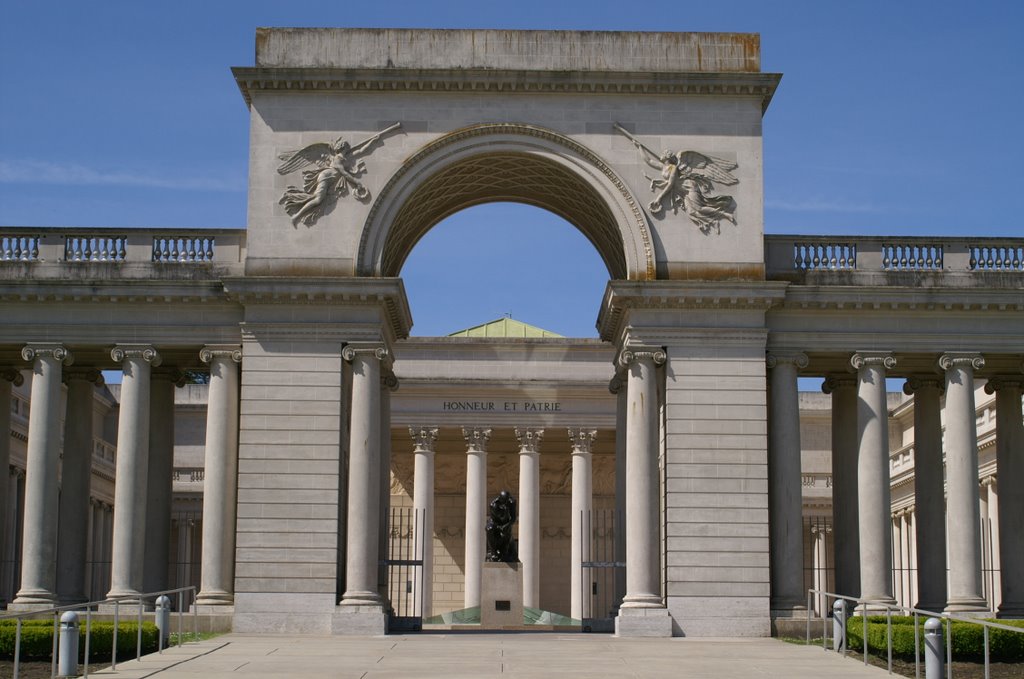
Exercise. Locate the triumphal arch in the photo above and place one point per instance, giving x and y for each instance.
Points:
(320, 404)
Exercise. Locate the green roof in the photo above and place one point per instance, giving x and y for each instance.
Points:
(504, 327)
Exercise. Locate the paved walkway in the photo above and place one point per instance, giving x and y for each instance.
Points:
(532, 655)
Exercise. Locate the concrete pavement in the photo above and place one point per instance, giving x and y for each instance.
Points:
(533, 655)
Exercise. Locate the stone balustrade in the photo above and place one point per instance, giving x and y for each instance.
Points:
(794, 257)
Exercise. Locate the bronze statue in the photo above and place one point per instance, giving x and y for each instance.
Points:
(500, 545)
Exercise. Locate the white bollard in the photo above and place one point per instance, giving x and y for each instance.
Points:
(67, 656)
(933, 655)
(163, 620)
(839, 626)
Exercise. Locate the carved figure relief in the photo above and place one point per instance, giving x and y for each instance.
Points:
(687, 182)
(334, 172)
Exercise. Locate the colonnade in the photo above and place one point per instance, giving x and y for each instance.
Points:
(947, 579)
(60, 520)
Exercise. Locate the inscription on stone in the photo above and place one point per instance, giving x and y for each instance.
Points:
(504, 406)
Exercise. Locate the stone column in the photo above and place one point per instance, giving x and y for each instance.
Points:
(423, 510)
(159, 482)
(39, 544)
(388, 383)
(993, 515)
(846, 533)
(76, 473)
(476, 511)
(897, 554)
(643, 587)
(1010, 506)
(963, 514)
(529, 513)
(363, 534)
(8, 377)
(873, 476)
(618, 387)
(785, 508)
(127, 559)
(582, 441)
(929, 492)
(819, 558)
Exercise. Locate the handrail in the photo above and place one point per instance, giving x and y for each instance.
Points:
(916, 612)
(117, 602)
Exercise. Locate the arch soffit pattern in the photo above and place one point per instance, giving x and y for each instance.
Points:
(506, 161)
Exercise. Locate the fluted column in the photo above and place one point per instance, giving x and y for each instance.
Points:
(476, 510)
(76, 473)
(785, 500)
(582, 441)
(873, 476)
(963, 515)
(929, 492)
(1010, 503)
(129, 533)
(159, 482)
(424, 439)
(364, 475)
(529, 513)
(845, 519)
(39, 545)
(643, 587)
(8, 377)
(617, 386)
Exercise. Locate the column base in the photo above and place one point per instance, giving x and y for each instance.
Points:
(359, 620)
(361, 598)
(643, 622)
(27, 606)
(874, 606)
(966, 605)
(215, 598)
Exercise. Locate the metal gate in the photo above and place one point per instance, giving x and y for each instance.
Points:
(603, 579)
(405, 569)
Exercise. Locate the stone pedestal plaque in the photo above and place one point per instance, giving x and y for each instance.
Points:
(501, 595)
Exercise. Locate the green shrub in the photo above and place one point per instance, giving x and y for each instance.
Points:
(968, 639)
(37, 639)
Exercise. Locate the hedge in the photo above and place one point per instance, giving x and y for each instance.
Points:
(968, 639)
(37, 639)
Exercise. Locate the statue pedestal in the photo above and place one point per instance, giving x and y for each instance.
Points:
(501, 596)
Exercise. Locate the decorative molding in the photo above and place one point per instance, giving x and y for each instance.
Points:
(476, 439)
(834, 382)
(961, 359)
(424, 438)
(56, 351)
(916, 382)
(686, 182)
(145, 352)
(529, 439)
(863, 359)
(13, 376)
(638, 353)
(212, 351)
(582, 440)
(799, 359)
(333, 174)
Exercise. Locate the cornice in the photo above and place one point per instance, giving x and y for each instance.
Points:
(254, 79)
(878, 298)
(130, 291)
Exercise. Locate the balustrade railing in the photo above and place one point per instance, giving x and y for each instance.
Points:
(15, 247)
(795, 256)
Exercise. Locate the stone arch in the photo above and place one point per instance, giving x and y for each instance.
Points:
(507, 162)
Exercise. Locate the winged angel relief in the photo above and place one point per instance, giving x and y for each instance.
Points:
(334, 172)
(687, 181)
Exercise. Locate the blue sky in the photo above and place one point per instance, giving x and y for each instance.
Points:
(892, 118)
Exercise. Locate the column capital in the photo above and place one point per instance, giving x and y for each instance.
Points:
(988, 480)
(1003, 382)
(212, 351)
(13, 376)
(476, 439)
(146, 352)
(87, 374)
(820, 529)
(916, 382)
(797, 358)
(56, 351)
(529, 439)
(616, 384)
(862, 359)
(172, 375)
(375, 350)
(961, 359)
(833, 382)
(423, 438)
(389, 381)
(582, 439)
(634, 353)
